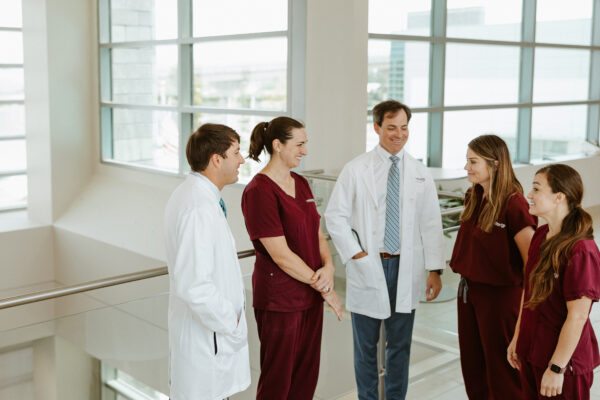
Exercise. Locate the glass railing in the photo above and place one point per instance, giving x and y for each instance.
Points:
(115, 330)
(131, 336)
(91, 335)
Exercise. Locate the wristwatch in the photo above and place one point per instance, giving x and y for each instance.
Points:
(556, 369)
(439, 271)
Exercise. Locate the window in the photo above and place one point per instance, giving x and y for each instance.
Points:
(527, 71)
(13, 164)
(117, 385)
(166, 69)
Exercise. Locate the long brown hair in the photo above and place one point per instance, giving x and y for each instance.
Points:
(264, 133)
(503, 182)
(577, 225)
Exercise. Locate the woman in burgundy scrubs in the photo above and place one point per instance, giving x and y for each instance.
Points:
(489, 253)
(554, 345)
(293, 271)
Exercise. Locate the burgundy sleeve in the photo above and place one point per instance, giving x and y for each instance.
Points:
(582, 276)
(261, 212)
(517, 214)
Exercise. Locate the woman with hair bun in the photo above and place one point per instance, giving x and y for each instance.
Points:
(554, 345)
(293, 271)
(489, 254)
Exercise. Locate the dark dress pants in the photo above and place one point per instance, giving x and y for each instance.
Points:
(398, 328)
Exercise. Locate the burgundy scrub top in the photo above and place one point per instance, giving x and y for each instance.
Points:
(540, 328)
(492, 258)
(270, 212)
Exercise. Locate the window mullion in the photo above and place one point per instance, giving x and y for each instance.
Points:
(593, 122)
(437, 62)
(526, 82)
(296, 48)
(104, 21)
(185, 77)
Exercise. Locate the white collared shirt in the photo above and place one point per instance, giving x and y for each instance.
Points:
(381, 169)
(213, 187)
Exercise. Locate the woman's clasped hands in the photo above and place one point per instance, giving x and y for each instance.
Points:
(323, 283)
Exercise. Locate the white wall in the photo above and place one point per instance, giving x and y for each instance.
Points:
(63, 371)
(27, 257)
(61, 113)
(336, 105)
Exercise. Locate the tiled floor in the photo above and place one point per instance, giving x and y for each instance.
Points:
(436, 325)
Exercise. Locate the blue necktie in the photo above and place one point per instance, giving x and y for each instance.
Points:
(392, 209)
(222, 204)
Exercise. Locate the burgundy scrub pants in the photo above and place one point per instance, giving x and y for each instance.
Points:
(487, 316)
(575, 387)
(290, 352)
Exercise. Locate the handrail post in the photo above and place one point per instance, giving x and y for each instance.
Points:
(381, 345)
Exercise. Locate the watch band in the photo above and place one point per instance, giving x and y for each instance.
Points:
(439, 271)
(556, 369)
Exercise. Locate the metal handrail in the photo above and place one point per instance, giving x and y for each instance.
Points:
(92, 285)
(329, 178)
(151, 273)
(452, 211)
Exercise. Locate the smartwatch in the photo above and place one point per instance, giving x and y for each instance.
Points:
(439, 271)
(556, 369)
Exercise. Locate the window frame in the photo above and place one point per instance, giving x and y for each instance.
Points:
(9, 102)
(527, 45)
(185, 109)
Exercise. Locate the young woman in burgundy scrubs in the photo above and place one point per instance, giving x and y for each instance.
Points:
(293, 271)
(490, 250)
(554, 345)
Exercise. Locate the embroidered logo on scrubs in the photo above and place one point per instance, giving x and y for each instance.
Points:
(421, 180)
(498, 224)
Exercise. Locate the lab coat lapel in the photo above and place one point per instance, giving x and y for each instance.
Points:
(369, 177)
(409, 191)
(405, 274)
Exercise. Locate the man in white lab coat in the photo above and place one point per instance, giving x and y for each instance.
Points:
(207, 325)
(384, 219)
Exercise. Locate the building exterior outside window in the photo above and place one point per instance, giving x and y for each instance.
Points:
(528, 71)
(167, 68)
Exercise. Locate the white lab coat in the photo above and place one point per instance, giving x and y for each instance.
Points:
(208, 346)
(353, 205)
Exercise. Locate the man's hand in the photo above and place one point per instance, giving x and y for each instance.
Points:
(434, 285)
(359, 255)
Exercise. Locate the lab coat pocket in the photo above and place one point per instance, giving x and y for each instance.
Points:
(235, 341)
(359, 272)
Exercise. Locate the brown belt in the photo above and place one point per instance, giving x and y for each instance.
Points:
(387, 256)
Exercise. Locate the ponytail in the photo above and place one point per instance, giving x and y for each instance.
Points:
(555, 252)
(264, 133)
(257, 140)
